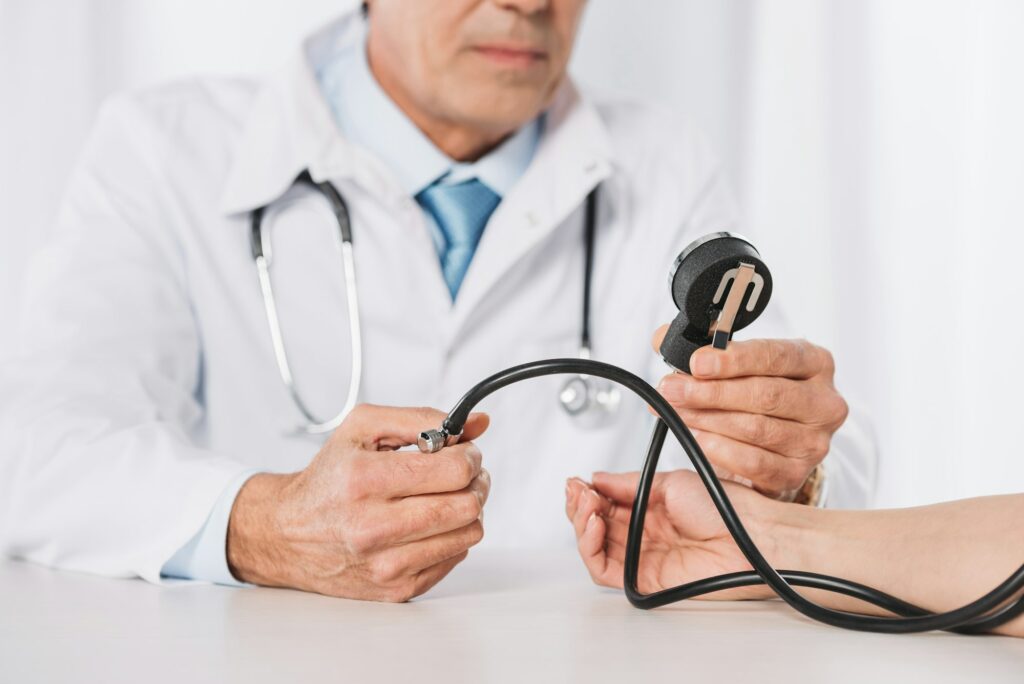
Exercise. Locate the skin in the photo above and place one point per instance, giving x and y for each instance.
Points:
(895, 551)
(469, 73)
(763, 411)
(363, 520)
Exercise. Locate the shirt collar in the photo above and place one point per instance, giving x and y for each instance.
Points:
(368, 117)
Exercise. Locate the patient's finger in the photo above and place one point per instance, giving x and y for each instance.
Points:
(615, 514)
(573, 487)
(619, 487)
(604, 570)
(589, 502)
(616, 529)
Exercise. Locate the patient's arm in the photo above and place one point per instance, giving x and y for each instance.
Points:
(939, 557)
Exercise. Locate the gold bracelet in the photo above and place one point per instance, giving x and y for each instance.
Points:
(810, 492)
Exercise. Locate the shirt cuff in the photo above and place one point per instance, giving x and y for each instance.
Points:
(204, 556)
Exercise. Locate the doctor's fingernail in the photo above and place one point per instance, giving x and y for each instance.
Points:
(590, 522)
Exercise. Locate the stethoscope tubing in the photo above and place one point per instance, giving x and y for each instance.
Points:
(262, 252)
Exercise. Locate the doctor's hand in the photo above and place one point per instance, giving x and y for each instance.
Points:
(763, 411)
(684, 538)
(364, 520)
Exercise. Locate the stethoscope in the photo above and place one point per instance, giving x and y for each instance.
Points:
(583, 397)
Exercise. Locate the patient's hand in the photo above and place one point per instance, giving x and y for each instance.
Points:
(684, 537)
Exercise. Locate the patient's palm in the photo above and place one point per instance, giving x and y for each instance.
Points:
(684, 537)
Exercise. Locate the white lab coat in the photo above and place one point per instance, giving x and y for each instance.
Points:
(147, 380)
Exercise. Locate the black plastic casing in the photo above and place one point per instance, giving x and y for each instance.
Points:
(695, 277)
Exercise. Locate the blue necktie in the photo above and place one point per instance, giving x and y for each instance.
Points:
(461, 211)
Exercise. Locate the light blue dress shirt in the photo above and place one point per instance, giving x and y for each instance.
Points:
(368, 117)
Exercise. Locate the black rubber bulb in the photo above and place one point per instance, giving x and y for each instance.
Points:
(695, 279)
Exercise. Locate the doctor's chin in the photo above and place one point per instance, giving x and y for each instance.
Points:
(554, 322)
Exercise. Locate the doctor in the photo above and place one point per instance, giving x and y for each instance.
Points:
(145, 430)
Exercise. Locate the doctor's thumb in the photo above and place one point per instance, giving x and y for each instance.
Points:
(476, 425)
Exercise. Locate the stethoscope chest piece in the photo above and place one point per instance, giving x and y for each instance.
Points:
(720, 285)
(590, 401)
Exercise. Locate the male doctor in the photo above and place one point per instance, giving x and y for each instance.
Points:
(145, 431)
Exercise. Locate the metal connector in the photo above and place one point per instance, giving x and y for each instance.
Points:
(432, 441)
(741, 277)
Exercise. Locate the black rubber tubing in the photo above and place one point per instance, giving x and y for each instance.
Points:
(980, 615)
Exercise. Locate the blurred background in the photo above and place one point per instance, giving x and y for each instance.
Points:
(877, 148)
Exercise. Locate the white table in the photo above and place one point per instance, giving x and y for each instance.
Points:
(499, 617)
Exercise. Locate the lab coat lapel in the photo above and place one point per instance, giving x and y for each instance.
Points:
(290, 128)
(573, 156)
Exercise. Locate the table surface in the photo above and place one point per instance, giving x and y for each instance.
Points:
(500, 616)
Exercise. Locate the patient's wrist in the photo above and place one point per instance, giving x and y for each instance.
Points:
(794, 535)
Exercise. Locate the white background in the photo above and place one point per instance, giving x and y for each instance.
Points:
(877, 148)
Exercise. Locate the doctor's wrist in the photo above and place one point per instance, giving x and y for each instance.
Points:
(255, 529)
(811, 492)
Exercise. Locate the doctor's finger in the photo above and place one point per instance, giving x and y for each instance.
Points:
(770, 473)
(426, 579)
(427, 515)
(409, 473)
(779, 397)
(411, 558)
(387, 427)
(775, 434)
(476, 425)
(659, 336)
(796, 359)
